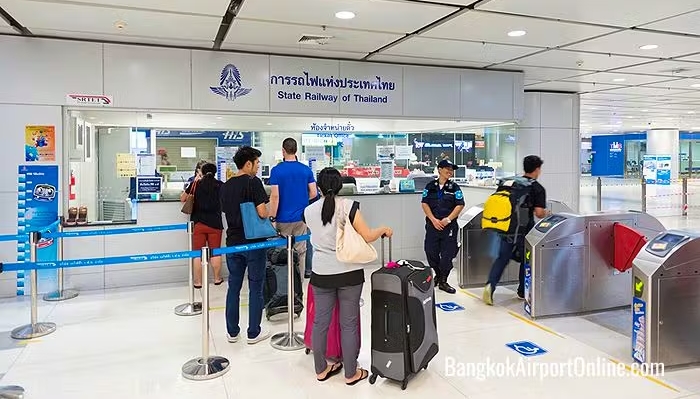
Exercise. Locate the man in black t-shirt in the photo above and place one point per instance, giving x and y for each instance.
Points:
(244, 187)
(514, 247)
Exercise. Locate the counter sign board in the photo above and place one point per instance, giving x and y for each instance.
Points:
(148, 185)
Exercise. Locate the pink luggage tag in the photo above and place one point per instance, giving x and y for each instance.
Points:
(392, 265)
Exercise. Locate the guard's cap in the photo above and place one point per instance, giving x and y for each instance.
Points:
(446, 163)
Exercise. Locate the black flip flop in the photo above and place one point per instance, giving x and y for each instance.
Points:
(332, 372)
(219, 283)
(197, 287)
(363, 375)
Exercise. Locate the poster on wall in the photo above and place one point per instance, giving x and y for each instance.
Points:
(37, 203)
(650, 169)
(126, 165)
(225, 168)
(40, 143)
(663, 170)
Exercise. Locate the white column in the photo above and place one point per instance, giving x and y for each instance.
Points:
(550, 129)
(665, 142)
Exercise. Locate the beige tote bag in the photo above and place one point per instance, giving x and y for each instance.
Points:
(350, 247)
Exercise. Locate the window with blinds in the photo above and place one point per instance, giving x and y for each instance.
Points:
(204, 149)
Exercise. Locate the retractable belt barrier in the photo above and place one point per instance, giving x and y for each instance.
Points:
(201, 368)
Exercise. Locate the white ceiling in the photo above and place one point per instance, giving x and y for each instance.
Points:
(591, 47)
(268, 123)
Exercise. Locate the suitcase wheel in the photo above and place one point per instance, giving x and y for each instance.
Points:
(372, 378)
(404, 384)
(307, 350)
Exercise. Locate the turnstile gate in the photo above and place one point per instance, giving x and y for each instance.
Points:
(478, 249)
(666, 300)
(569, 262)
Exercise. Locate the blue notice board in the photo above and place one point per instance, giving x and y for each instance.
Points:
(148, 185)
(639, 326)
(526, 348)
(37, 210)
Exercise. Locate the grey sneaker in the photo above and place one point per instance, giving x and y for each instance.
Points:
(261, 337)
(488, 295)
(233, 339)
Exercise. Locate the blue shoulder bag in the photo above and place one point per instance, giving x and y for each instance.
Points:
(254, 226)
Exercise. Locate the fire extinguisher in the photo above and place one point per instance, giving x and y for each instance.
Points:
(71, 185)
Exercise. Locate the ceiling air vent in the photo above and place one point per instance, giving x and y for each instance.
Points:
(318, 40)
(676, 71)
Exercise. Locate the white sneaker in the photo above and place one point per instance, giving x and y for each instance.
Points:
(233, 339)
(261, 337)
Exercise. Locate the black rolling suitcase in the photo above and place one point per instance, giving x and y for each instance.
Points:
(404, 327)
(276, 280)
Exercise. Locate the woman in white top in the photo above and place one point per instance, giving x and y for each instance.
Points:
(333, 281)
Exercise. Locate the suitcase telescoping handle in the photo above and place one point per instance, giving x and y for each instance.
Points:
(382, 250)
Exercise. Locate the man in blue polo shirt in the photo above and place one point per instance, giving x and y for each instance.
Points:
(292, 187)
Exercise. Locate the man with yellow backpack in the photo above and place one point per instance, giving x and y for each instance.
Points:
(509, 213)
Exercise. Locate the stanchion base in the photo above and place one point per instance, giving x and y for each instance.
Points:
(189, 309)
(57, 296)
(201, 369)
(285, 342)
(11, 392)
(33, 330)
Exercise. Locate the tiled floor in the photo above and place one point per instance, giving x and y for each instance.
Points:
(128, 343)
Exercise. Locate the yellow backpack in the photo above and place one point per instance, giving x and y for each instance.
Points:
(507, 209)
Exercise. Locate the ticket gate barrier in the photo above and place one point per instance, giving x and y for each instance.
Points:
(582, 263)
(478, 249)
(666, 300)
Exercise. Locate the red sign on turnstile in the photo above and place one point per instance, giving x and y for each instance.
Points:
(628, 242)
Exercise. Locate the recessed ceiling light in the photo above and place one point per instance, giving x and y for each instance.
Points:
(219, 117)
(517, 33)
(649, 47)
(619, 80)
(345, 15)
(645, 110)
(120, 25)
(269, 124)
(695, 85)
(691, 112)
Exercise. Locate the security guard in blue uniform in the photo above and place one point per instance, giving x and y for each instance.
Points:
(442, 203)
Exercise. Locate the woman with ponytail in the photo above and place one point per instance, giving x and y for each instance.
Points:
(207, 219)
(336, 282)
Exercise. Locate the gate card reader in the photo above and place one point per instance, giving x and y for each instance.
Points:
(666, 300)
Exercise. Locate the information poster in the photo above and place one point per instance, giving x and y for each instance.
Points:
(37, 202)
(224, 162)
(40, 144)
(663, 170)
(650, 169)
(638, 330)
(126, 165)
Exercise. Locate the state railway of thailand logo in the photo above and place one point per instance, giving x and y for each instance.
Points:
(230, 84)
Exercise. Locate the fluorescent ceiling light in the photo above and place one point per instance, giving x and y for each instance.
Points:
(649, 47)
(691, 112)
(517, 33)
(345, 15)
(695, 85)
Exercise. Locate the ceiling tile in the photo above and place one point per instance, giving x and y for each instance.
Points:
(298, 51)
(626, 13)
(647, 91)
(678, 84)
(458, 50)
(200, 7)
(61, 17)
(571, 59)
(105, 37)
(538, 73)
(692, 58)
(377, 15)
(574, 87)
(672, 69)
(488, 27)
(456, 2)
(687, 23)
(401, 59)
(618, 79)
(628, 43)
(266, 34)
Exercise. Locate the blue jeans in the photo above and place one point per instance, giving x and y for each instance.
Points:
(510, 248)
(237, 263)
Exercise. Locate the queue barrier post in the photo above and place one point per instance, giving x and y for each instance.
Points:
(205, 367)
(191, 308)
(60, 294)
(289, 341)
(11, 392)
(35, 329)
